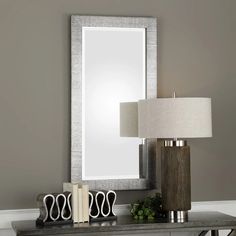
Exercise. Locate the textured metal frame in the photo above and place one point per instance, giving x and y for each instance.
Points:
(77, 22)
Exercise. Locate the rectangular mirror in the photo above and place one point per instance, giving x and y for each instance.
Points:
(113, 71)
(113, 61)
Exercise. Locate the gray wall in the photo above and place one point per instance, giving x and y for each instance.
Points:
(196, 58)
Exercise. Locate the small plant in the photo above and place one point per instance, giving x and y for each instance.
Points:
(150, 208)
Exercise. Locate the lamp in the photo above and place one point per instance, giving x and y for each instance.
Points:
(174, 119)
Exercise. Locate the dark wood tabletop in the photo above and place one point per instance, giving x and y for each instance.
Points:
(197, 221)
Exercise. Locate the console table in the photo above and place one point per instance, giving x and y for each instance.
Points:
(199, 223)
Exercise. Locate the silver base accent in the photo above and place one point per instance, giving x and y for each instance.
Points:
(175, 143)
(178, 216)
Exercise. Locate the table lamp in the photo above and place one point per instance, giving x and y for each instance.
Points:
(174, 119)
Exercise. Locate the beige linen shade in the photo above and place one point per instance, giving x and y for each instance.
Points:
(174, 118)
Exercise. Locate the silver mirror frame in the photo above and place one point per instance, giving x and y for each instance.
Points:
(148, 181)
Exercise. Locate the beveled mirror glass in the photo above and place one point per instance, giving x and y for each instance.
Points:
(113, 61)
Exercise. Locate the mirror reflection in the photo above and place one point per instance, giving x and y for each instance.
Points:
(113, 71)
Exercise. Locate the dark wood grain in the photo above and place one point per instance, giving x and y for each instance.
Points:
(175, 178)
(197, 221)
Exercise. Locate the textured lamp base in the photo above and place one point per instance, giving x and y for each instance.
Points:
(175, 179)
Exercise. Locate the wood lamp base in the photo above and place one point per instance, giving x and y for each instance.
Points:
(176, 179)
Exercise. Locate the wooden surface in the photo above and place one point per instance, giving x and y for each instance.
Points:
(175, 178)
(197, 222)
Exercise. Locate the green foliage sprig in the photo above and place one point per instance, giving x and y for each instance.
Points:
(150, 208)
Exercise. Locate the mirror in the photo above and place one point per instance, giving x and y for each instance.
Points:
(113, 72)
(113, 61)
